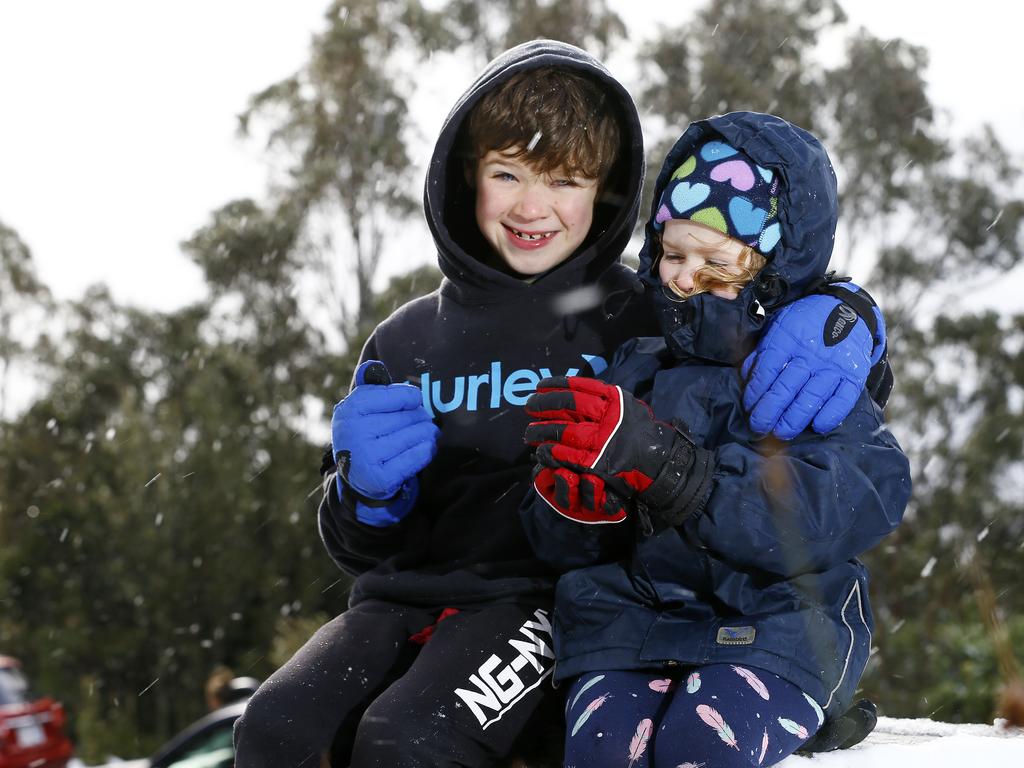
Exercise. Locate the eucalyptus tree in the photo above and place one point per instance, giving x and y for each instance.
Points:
(883, 132)
(158, 503)
(952, 580)
(490, 27)
(23, 302)
(734, 56)
(343, 122)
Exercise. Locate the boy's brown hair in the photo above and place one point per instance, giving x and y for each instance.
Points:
(554, 118)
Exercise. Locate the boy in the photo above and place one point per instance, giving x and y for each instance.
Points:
(443, 654)
(717, 613)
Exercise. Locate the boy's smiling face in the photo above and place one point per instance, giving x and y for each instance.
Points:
(533, 221)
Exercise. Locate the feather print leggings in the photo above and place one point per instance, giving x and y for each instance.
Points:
(718, 716)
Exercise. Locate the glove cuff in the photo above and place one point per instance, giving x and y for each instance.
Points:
(383, 517)
(381, 512)
(683, 484)
(344, 463)
(864, 306)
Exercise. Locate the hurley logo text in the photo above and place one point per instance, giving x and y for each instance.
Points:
(491, 390)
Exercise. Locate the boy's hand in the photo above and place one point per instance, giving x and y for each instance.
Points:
(594, 428)
(582, 498)
(810, 365)
(382, 436)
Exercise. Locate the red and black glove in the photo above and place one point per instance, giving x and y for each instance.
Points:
(597, 431)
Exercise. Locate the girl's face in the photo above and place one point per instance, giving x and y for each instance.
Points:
(688, 247)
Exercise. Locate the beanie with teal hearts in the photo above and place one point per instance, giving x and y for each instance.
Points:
(721, 187)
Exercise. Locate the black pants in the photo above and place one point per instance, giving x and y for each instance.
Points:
(461, 699)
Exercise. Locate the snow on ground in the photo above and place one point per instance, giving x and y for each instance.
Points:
(925, 744)
(914, 744)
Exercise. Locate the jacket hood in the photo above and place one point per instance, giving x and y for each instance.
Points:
(726, 330)
(449, 201)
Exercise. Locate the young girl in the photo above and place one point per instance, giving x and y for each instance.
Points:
(717, 613)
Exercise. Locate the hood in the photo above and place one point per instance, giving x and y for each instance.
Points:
(449, 201)
(726, 330)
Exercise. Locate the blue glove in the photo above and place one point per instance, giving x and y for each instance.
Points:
(811, 364)
(382, 436)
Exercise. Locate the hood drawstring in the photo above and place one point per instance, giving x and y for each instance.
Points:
(636, 287)
(821, 284)
(570, 323)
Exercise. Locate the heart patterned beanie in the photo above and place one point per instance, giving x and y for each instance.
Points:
(720, 187)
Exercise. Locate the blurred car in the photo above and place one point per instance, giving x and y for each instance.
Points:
(31, 728)
(206, 743)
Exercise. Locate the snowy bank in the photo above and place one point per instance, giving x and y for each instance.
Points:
(925, 744)
(894, 742)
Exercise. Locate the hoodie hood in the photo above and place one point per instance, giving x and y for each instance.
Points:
(449, 201)
(726, 330)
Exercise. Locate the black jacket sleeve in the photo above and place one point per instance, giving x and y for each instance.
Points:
(354, 546)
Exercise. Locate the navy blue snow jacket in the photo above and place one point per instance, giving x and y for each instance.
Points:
(766, 573)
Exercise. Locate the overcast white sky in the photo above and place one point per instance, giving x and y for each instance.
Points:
(117, 130)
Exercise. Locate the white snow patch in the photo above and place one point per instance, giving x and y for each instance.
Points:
(918, 743)
(928, 567)
(925, 744)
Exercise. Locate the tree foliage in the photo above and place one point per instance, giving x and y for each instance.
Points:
(22, 298)
(491, 27)
(344, 120)
(879, 109)
(156, 517)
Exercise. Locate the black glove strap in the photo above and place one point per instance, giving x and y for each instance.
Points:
(770, 287)
(880, 380)
(343, 461)
(327, 463)
(859, 301)
(683, 484)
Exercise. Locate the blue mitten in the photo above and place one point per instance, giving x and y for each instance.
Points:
(382, 436)
(812, 363)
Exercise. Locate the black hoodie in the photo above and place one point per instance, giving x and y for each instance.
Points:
(476, 347)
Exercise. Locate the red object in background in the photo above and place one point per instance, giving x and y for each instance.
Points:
(31, 730)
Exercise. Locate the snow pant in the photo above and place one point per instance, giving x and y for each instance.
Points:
(386, 693)
(718, 715)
